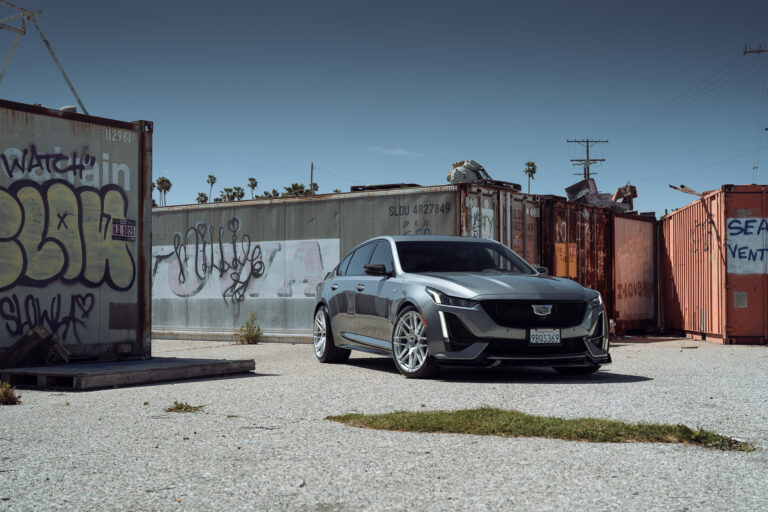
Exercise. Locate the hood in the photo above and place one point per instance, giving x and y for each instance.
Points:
(481, 286)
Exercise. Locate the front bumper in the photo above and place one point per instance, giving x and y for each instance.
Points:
(473, 338)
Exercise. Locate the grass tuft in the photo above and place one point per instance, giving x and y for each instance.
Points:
(487, 421)
(8, 394)
(250, 333)
(183, 407)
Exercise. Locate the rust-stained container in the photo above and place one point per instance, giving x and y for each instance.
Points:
(714, 271)
(575, 243)
(75, 232)
(634, 273)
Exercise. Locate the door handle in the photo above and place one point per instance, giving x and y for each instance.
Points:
(360, 287)
(334, 286)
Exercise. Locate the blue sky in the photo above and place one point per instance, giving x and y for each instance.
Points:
(385, 92)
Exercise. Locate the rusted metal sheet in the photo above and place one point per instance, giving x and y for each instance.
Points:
(714, 255)
(575, 243)
(75, 232)
(634, 273)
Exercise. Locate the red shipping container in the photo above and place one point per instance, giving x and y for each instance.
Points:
(714, 266)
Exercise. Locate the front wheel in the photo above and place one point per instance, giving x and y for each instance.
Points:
(410, 349)
(322, 337)
(577, 370)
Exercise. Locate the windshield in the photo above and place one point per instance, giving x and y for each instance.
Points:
(423, 257)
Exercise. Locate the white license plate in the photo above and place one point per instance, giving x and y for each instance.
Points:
(544, 337)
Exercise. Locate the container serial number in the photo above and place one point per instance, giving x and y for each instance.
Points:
(118, 135)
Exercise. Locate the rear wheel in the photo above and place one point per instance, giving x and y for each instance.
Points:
(322, 338)
(577, 370)
(409, 346)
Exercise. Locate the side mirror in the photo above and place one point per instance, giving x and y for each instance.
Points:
(376, 269)
(541, 270)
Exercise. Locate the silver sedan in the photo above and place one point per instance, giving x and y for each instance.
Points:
(431, 301)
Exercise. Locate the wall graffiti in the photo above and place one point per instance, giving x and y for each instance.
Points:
(482, 222)
(747, 245)
(225, 263)
(61, 315)
(55, 231)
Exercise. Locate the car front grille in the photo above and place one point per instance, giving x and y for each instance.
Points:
(519, 314)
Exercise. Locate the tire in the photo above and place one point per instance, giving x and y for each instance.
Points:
(410, 349)
(326, 350)
(577, 370)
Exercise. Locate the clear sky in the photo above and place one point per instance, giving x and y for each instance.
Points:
(386, 92)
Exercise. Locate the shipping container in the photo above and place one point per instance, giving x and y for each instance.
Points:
(214, 264)
(634, 273)
(576, 243)
(75, 234)
(714, 271)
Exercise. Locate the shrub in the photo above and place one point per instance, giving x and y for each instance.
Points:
(183, 407)
(250, 334)
(8, 395)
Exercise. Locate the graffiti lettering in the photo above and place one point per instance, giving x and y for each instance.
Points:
(201, 252)
(57, 316)
(39, 244)
(637, 289)
(747, 245)
(30, 160)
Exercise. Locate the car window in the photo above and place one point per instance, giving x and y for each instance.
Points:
(459, 256)
(342, 268)
(359, 260)
(382, 255)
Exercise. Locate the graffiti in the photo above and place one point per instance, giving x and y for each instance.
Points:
(482, 222)
(55, 231)
(208, 263)
(57, 316)
(640, 288)
(747, 245)
(699, 236)
(30, 160)
(200, 253)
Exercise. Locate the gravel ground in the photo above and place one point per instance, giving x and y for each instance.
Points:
(261, 442)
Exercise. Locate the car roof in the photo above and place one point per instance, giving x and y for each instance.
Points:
(431, 238)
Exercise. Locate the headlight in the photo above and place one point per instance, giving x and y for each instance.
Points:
(597, 301)
(441, 298)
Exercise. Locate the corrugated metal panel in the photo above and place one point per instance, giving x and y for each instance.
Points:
(715, 266)
(634, 272)
(575, 243)
(75, 202)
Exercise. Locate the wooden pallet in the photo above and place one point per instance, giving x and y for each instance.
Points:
(81, 377)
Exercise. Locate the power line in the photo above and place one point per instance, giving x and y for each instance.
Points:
(761, 114)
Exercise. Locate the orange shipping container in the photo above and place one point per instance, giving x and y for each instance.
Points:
(714, 270)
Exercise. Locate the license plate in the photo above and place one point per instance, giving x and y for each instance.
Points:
(544, 337)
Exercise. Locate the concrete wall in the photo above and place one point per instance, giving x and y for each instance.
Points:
(73, 197)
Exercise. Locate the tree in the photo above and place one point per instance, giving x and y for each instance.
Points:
(295, 190)
(252, 184)
(337, 191)
(238, 193)
(530, 170)
(211, 180)
(164, 186)
(202, 197)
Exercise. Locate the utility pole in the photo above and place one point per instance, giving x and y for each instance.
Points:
(759, 49)
(585, 162)
(311, 174)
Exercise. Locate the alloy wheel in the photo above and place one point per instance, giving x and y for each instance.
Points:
(409, 343)
(319, 333)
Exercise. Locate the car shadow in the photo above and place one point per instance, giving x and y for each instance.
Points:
(544, 375)
(540, 375)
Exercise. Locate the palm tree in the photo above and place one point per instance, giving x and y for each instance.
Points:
(238, 193)
(252, 184)
(164, 186)
(211, 180)
(296, 189)
(202, 197)
(530, 170)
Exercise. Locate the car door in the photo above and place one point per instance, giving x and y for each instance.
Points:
(373, 299)
(346, 287)
(341, 298)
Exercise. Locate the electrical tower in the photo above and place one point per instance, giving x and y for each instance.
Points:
(585, 162)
